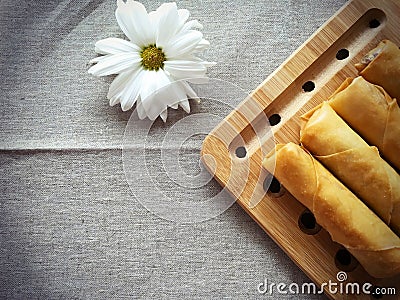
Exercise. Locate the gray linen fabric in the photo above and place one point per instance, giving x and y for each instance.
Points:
(70, 227)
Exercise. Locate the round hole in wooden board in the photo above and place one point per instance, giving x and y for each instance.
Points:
(342, 54)
(307, 223)
(374, 23)
(344, 261)
(241, 152)
(274, 119)
(273, 187)
(308, 86)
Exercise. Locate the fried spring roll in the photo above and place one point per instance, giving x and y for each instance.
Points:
(371, 112)
(355, 163)
(381, 66)
(348, 220)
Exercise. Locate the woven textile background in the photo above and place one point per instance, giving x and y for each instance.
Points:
(70, 227)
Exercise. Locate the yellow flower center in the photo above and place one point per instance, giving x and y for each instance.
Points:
(152, 58)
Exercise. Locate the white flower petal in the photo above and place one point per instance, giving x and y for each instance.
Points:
(115, 45)
(168, 93)
(189, 91)
(115, 63)
(132, 91)
(153, 17)
(193, 24)
(209, 63)
(151, 82)
(185, 105)
(180, 94)
(164, 115)
(175, 105)
(201, 46)
(134, 21)
(182, 44)
(148, 88)
(182, 69)
(118, 85)
(140, 110)
(122, 89)
(185, 64)
(114, 101)
(168, 23)
(183, 14)
(98, 58)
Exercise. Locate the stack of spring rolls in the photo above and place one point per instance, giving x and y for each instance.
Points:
(345, 169)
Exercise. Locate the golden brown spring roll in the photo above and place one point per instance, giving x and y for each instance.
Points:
(371, 112)
(381, 66)
(355, 163)
(348, 220)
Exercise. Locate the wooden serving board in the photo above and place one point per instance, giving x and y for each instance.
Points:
(357, 27)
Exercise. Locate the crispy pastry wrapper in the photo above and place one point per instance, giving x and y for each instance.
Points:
(356, 164)
(371, 112)
(347, 219)
(381, 66)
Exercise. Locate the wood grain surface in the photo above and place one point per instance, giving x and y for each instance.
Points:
(354, 28)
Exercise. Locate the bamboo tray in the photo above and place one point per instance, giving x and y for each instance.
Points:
(234, 150)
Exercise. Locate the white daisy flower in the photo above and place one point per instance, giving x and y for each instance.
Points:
(161, 53)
